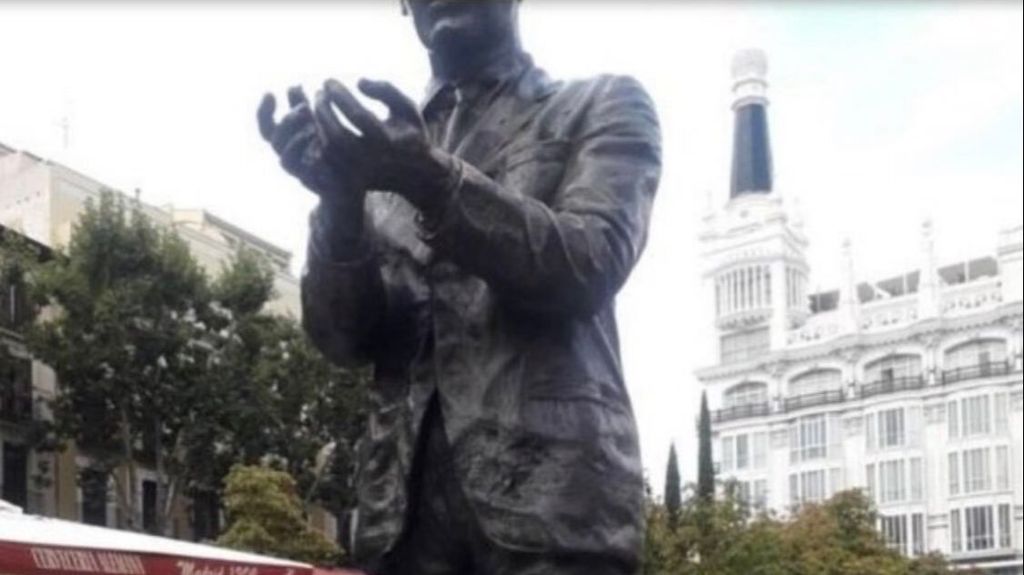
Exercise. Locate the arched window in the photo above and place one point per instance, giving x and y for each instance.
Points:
(976, 353)
(746, 394)
(897, 367)
(815, 382)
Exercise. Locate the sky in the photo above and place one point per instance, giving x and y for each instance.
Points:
(883, 115)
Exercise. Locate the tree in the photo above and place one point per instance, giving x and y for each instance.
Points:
(720, 537)
(160, 367)
(673, 489)
(283, 405)
(125, 340)
(265, 516)
(705, 463)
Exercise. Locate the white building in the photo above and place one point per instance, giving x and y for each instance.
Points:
(909, 388)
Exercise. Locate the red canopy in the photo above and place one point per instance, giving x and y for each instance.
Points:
(32, 559)
(40, 546)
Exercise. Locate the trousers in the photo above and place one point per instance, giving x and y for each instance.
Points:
(442, 536)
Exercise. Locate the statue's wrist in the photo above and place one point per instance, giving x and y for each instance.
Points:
(440, 183)
(341, 233)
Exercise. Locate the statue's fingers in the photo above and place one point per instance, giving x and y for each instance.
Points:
(329, 127)
(364, 120)
(398, 103)
(265, 117)
(295, 120)
(297, 149)
(297, 97)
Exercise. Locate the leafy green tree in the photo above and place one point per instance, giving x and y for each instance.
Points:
(159, 367)
(265, 516)
(281, 403)
(126, 343)
(837, 537)
(673, 488)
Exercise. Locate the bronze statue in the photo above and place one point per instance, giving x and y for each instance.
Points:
(470, 250)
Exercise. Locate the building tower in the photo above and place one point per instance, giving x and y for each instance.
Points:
(753, 252)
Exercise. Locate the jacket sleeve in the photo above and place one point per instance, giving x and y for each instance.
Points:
(572, 254)
(342, 302)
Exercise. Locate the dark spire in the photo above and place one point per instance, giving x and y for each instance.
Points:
(752, 151)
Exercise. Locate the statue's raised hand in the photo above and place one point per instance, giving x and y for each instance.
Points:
(302, 149)
(397, 153)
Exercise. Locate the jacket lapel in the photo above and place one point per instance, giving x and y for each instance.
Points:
(505, 120)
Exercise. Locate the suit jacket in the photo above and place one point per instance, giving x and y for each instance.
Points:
(504, 309)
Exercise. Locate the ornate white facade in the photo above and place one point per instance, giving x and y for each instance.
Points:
(909, 388)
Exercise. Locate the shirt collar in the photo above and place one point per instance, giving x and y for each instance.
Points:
(501, 70)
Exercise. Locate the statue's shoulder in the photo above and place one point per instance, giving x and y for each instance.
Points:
(602, 90)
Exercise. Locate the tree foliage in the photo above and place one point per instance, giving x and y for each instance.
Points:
(723, 537)
(705, 463)
(265, 516)
(161, 367)
(126, 342)
(673, 488)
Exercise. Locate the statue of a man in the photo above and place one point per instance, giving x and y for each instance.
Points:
(470, 249)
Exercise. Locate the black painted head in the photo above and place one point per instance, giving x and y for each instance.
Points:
(459, 29)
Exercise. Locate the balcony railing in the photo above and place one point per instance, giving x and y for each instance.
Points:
(895, 385)
(742, 412)
(814, 400)
(15, 407)
(980, 371)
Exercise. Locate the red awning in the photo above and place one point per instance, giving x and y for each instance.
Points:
(39, 559)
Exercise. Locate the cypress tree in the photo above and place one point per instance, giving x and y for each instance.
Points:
(673, 489)
(705, 464)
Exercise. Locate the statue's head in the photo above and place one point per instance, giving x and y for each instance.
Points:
(453, 28)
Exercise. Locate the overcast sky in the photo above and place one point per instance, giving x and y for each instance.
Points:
(883, 115)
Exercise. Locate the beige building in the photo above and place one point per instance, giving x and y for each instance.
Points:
(42, 200)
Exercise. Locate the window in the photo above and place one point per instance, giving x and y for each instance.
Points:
(918, 535)
(917, 479)
(745, 395)
(976, 418)
(978, 353)
(809, 439)
(815, 382)
(977, 471)
(980, 528)
(871, 432)
(1005, 527)
(891, 428)
(953, 419)
(760, 450)
(870, 471)
(893, 368)
(894, 530)
(1003, 468)
(743, 493)
(808, 487)
(954, 474)
(892, 482)
(1002, 404)
(742, 452)
(94, 497)
(761, 494)
(728, 452)
(149, 503)
(746, 345)
(956, 531)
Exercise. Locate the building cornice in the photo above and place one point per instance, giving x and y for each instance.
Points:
(850, 345)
